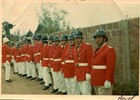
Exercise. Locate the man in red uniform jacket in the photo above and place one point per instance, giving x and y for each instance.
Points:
(37, 57)
(13, 54)
(45, 62)
(68, 69)
(51, 51)
(6, 59)
(57, 64)
(31, 71)
(82, 59)
(64, 45)
(103, 65)
(18, 58)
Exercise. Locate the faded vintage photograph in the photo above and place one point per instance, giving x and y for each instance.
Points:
(72, 47)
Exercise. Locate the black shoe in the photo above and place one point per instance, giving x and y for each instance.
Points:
(9, 81)
(58, 92)
(41, 79)
(64, 93)
(19, 74)
(46, 87)
(54, 90)
(42, 82)
(33, 78)
(23, 75)
(50, 84)
(28, 77)
(15, 72)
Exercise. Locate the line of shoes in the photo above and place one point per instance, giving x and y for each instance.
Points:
(56, 91)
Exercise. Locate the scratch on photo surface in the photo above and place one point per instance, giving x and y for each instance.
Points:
(22, 12)
(1, 3)
(123, 12)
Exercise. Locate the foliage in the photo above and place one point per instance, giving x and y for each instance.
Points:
(51, 19)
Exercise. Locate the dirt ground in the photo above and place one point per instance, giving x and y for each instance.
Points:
(21, 85)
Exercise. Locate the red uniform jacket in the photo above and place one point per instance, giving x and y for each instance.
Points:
(103, 64)
(62, 57)
(6, 53)
(82, 59)
(45, 55)
(51, 51)
(30, 54)
(22, 53)
(57, 58)
(37, 51)
(68, 69)
(13, 52)
(18, 55)
(26, 52)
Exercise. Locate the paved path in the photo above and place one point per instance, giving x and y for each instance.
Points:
(21, 85)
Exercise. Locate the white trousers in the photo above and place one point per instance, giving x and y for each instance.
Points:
(56, 80)
(28, 68)
(40, 70)
(23, 69)
(71, 85)
(7, 70)
(46, 76)
(19, 64)
(62, 87)
(85, 86)
(100, 90)
(33, 69)
(54, 87)
(15, 65)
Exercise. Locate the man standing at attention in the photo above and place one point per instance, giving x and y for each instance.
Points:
(82, 58)
(6, 59)
(103, 65)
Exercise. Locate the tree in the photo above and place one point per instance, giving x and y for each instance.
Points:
(51, 19)
(6, 27)
(29, 34)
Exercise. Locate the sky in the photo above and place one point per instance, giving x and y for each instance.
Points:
(81, 13)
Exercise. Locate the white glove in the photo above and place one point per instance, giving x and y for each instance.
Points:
(88, 76)
(13, 60)
(75, 77)
(40, 61)
(107, 84)
(7, 62)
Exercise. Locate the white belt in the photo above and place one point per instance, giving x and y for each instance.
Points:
(28, 55)
(51, 58)
(82, 64)
(18, 56)
(62, 63)
(69, 61)
(98, 67)
(57, 59)
(7, 55)
(23, 54)
(38, 53)
(45, 58)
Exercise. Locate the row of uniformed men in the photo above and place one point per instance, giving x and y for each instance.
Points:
(74, 66)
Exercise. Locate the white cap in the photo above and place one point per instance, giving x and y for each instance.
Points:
(5, 39)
